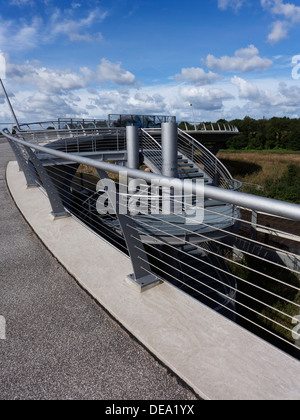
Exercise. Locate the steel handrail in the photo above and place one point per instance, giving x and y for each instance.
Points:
(253, 202)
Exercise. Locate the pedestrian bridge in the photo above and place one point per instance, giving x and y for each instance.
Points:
(207, 276)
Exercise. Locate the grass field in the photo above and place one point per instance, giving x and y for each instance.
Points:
(256, 167)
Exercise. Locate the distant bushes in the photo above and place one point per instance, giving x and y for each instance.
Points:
(285, 188)
(265, 134)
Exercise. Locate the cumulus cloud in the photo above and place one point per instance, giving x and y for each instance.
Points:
(244, 60)
(58, 81)
(52, 92)
(287, 14)
(246, 90)
(113, 72)
(197, 76)
(279, 31)
(288, 11)
(46, 80)
(37, 106)
(128, 101)
(284, 98)
(201, 98)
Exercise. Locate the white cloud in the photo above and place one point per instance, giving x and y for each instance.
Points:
(289, 14)
(280, 98)
(234, 4)
(128, 101)
(288, 11)
(197, 76)
(52, 92)
(18, 36)
(25, 34)
(75, 29)
(201, 98)
(112, 72)
(279, 32)
(246, 90)
(244, 60)
(21, 3)
(50, 80)
(46, 80)
(38, 106)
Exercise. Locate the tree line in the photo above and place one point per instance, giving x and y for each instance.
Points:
(265, 134)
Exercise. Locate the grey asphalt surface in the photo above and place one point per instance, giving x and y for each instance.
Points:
(60, 344)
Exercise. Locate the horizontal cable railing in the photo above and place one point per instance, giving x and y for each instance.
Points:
(236, 253)
(64, 124)
(78, 140)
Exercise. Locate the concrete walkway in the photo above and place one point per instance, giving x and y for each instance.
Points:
(59, 343)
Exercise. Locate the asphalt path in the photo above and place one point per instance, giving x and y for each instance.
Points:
(57, 343)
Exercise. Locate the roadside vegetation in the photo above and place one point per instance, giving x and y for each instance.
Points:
(279, 134)
(267, 174)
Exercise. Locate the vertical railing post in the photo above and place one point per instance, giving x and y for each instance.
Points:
(142, 278)
(31, 180)
(254, 220)
(58, 209)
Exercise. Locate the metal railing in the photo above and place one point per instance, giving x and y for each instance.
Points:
(151, 149)
(87, 139)
(64, 124)
(194, 151)
(199, 154)
(142, 121)
(241, 263)
(210, 127)
(77, 140)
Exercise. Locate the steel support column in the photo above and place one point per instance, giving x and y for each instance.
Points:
(169, 144)
(133, 150)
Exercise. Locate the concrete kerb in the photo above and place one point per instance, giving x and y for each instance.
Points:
(215, 357)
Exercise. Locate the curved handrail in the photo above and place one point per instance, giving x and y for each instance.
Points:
(63, 124)
(199, 154)
(209, 127)
(250, 201)
(71, 138)
(151, 146)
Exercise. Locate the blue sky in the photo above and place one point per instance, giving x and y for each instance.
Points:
(228, 58)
